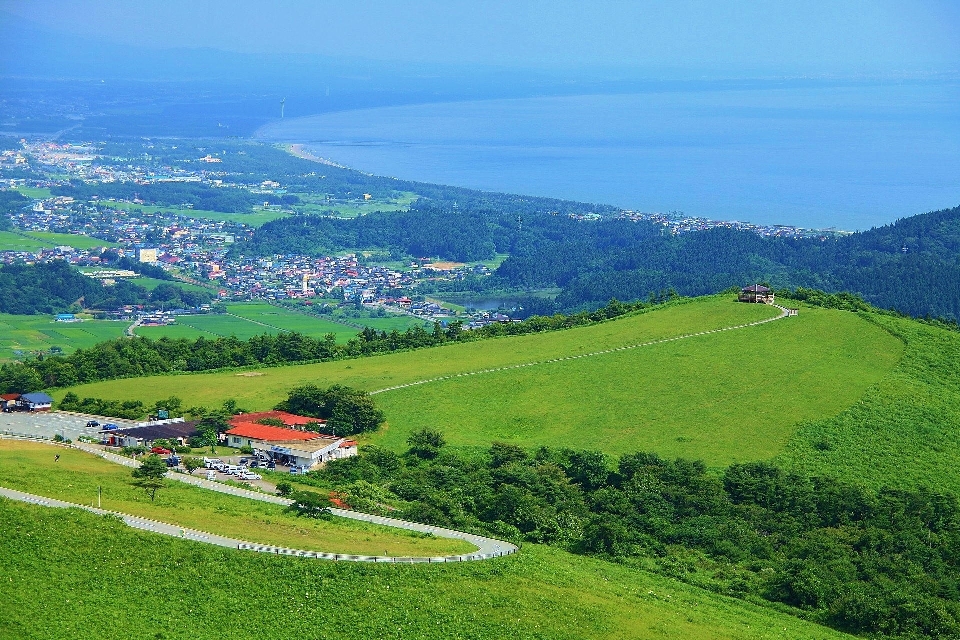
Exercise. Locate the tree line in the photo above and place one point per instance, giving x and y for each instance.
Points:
(54, 287)
(139, 356)
(883, 562)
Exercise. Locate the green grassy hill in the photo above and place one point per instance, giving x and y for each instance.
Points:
(38, 333)
(115, 582)
(724, 396)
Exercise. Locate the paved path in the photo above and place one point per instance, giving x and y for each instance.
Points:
(486, 547)
(784, 312)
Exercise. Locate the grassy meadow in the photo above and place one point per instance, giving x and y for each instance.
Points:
(34, 240)
(38, 333)
(905, 430)
(253, 218)
(182, 590)
(722, 397)
(30, 467)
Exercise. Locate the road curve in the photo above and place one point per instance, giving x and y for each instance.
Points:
(487, 548)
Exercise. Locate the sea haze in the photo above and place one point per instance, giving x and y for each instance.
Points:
(820, 155)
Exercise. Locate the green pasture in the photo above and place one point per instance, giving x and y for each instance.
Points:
(252, 218)
(315, 204)
(76, 476)
(152, 283)
(905, 430)
(184, 589)
(34, 240)
(723, 397)
(399, 322)
(33, 192)
(39, 333)
(726, 397)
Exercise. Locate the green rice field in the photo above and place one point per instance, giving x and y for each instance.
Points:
(34, 240)
(28, 334)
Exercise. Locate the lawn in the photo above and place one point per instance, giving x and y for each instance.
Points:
(33, 192)
(723, 397)
(152, 283)
(183, 590)
(75, 477)
(33, 240)
(39, 333)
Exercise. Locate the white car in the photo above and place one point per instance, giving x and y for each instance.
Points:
(249, 475)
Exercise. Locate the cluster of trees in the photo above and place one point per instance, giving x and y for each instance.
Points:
(911, 265)
(134, 357)
(54, 287)
(348, 411)
(879, 562)
(129, 409)
(10, 202)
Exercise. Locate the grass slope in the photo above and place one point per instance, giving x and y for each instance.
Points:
(722, 397)
(905, 431)
(177, 590)
(36, 333)
(75, 477)
(252, 218)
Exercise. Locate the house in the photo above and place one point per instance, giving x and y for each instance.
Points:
(290, 446)
(35, 402)
(756, 293)
(9, 401)
(288, 419)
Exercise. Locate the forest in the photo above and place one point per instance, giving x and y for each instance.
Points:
(864, 561)
(55, 287)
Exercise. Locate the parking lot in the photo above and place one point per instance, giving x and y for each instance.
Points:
(47, 424)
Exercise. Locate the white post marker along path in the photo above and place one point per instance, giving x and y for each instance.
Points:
(784, 312)
(486, 547)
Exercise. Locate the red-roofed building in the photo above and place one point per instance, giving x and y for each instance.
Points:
(288, 419)
(243, 434)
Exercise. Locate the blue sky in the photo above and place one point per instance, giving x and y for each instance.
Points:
(742, 37)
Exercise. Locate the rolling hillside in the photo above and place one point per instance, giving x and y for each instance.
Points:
(724, 396)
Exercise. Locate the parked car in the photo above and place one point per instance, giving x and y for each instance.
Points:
(231, 469)
(160, 451)
(92, 423)
(249, 475)
(211, 475)
(173, 461)
(299, 471)
(210, 463)
(110, 426)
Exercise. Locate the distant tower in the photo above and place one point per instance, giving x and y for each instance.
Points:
(282, 102)
(305, 278)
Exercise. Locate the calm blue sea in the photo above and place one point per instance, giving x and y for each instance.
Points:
(849, 157)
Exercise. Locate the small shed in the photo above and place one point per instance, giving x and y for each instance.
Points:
(756, 293)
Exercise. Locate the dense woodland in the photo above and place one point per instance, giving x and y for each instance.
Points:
(871, 562)
(55, 287)
(133, 357)
(10, 202)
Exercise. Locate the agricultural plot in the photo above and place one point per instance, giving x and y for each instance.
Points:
(33, 240)
(252, 218)
(152, 283)
(78, 476)
(27, 334)
(539, 593)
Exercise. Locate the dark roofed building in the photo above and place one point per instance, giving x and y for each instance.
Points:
(144, 436)
(35, 401)
(756, 293)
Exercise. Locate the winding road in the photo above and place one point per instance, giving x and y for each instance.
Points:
(486, 547)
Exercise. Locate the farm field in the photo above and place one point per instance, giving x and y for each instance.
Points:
(721, 397)
(38, 333)
(189, 590)
(152, 283)
(75, 477)
(33, 240)
(253, 218)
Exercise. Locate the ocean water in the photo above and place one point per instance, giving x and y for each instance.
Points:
(849, 157)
